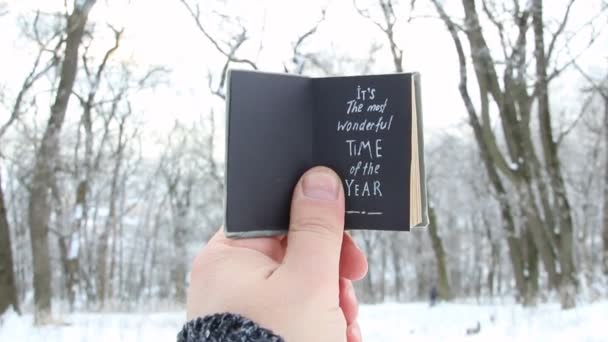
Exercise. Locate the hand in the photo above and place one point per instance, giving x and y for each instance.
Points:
(298, 286)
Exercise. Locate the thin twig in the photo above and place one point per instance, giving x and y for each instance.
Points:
(230, 54)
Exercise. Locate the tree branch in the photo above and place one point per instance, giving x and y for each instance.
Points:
(365, 14)
(561, 135)
(560, 29)
(602, 90)
(499, 27)
(488, 146)
(298, 58)
(34, 74)
(390, 19)
(229, 54)
(558, 70)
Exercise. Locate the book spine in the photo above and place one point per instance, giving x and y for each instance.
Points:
(417, 106)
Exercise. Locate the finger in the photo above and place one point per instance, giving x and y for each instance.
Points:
(350, 308)
(269, 246)
(353, 263)
(316, 226)
(348, 301)
(353, 333)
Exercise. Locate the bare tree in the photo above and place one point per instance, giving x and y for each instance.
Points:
(69, 241)
(604, 94)
(564, 237)
(39, 68)
(189, 172)
(601, 89)
(535, 181)
(386, 24)
(46, 156)
(514, 242)
(180, 181)
(111, 223)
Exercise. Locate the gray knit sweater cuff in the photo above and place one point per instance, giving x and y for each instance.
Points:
(225, 327)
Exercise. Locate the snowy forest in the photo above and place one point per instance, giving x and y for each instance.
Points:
(112, 132)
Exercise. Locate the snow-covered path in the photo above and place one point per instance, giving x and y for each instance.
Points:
(386, 322)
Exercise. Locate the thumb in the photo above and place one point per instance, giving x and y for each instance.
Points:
(316, 226)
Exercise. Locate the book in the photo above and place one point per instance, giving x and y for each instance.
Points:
(368, 129)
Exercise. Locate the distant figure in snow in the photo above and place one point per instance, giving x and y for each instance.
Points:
(474, 330)
(433, 295)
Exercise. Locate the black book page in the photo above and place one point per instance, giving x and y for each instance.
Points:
(269, 132)
(362, 130)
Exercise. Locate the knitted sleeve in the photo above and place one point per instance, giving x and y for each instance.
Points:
(225, 327)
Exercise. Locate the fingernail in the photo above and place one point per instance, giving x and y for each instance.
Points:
(320, 185)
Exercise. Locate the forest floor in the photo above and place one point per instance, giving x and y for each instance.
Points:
(384, 322)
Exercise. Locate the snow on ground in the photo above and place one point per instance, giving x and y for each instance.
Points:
(385, 322)
(450, 322)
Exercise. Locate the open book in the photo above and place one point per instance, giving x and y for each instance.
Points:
(366, 128)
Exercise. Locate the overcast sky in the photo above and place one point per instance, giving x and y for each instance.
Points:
(162, 32)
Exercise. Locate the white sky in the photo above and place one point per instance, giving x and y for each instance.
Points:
(162, 32)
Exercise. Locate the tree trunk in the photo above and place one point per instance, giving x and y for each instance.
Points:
(488, 153)
(531, 272)
(121, 248)
(382, 284)
(493, 276)
(8, 288)
(369, 294)
(70, 244)
(568, 282)
(103, 278)
(147, 251)
(537, 233)
(396, 250)
(179, 268)
(113, 257)
(422, 282)
(102, 255)
(179, 190)
(548, 224)
(104, 238)
(443, 285)
(605, 209)
(39, 208)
